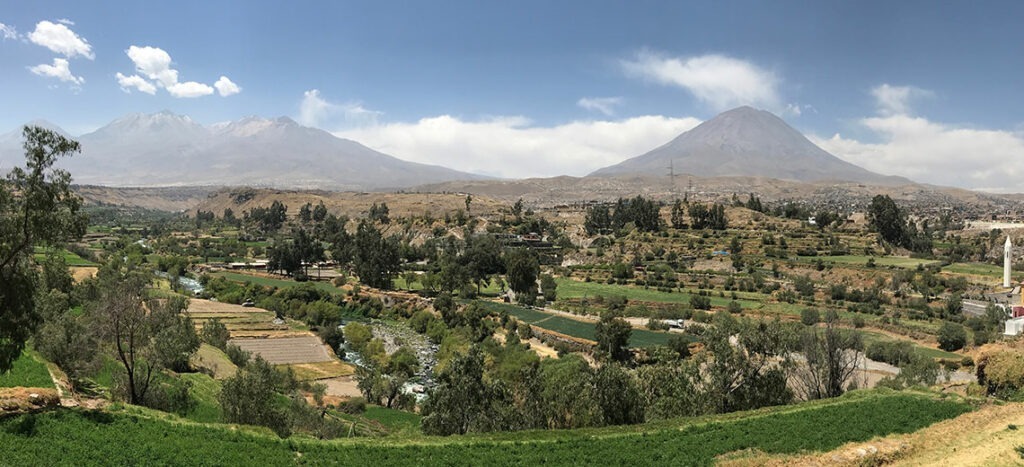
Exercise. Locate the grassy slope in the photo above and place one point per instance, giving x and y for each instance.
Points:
(28, 371)
(79, 437)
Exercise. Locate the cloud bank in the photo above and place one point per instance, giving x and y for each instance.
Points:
(931, 152)
(514, 148)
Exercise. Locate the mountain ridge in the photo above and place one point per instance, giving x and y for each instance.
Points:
(167, 149)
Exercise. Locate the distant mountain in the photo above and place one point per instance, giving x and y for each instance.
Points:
(746, 142)
(165, 149)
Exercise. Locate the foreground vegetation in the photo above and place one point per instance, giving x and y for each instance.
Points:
(122, 437)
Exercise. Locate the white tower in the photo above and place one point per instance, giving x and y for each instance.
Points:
(1007, 260)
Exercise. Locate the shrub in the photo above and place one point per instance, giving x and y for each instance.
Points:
(810, 316)
(216, 334)
(237, 355)
(952, 337)
(353, 406)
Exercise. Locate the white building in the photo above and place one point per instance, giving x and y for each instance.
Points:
(1014, 326)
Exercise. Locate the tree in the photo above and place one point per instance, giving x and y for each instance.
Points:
(597, 220)
(522, 269)
(376, 259)
(216, 334)
(612, 335)
(123, 321)
(886, 218)
(37, 208)
(460, 402)
(743, 364)
(618, 396)
(469, 199)
(248, 397)
(64, 338)
(306, 213)
(319, 212)
(831, 358)
(174, 335)
(549, 287)
(952, 337)
(678, 215)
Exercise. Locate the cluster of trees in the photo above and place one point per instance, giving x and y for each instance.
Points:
(886, 218)
(744, 365)
(641, 212)
(703, 217)
(267, 220)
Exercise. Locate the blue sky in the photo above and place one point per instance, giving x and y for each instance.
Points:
(928, 90)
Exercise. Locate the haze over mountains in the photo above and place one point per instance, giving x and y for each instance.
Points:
(165, 149)
(746, 142)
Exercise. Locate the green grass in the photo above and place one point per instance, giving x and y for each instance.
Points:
(71, 259)
(204, 391)
(28, 372)
(979, 269)
(576, 328)
(862, 260)
(395, 421)
(80, 437)
(279, 283)
(568, 288)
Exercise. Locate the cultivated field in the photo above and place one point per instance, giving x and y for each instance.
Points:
(286, 350)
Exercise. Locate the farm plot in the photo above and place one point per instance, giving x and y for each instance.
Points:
(286, 350)
(243, 321)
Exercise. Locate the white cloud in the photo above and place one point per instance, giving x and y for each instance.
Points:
(605, 105)
(225, 87)
(189, 89)
(59, 70)
(154, 63)
(154, 66)
(719, 81)
(59, 38)
(8, 32)
(137, 82)
(895, 100)
(66, 21)
(512, 147)
(315, 111)
(931, 152)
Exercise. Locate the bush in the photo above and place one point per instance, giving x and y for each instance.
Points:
(810, 316)
(858, 322)
(353, 406)
(952, 337)
(216, 334)
(237, 356)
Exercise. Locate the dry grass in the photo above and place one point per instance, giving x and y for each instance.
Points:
(986, 437)
(321, 370)
(216, 361)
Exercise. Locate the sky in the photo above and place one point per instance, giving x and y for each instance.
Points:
(922, 89)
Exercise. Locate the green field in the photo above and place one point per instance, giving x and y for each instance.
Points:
(28, 371)
(71, 259)
(279, 283)
(80, 437)
(979, 269)
(576, 328)
(568, 288)
(862, 260)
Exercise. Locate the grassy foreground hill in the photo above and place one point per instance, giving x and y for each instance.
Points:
(132, 436)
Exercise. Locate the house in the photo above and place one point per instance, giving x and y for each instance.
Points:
(1014, 326)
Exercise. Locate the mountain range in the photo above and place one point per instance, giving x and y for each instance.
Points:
(746, 142)
(165, 149)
